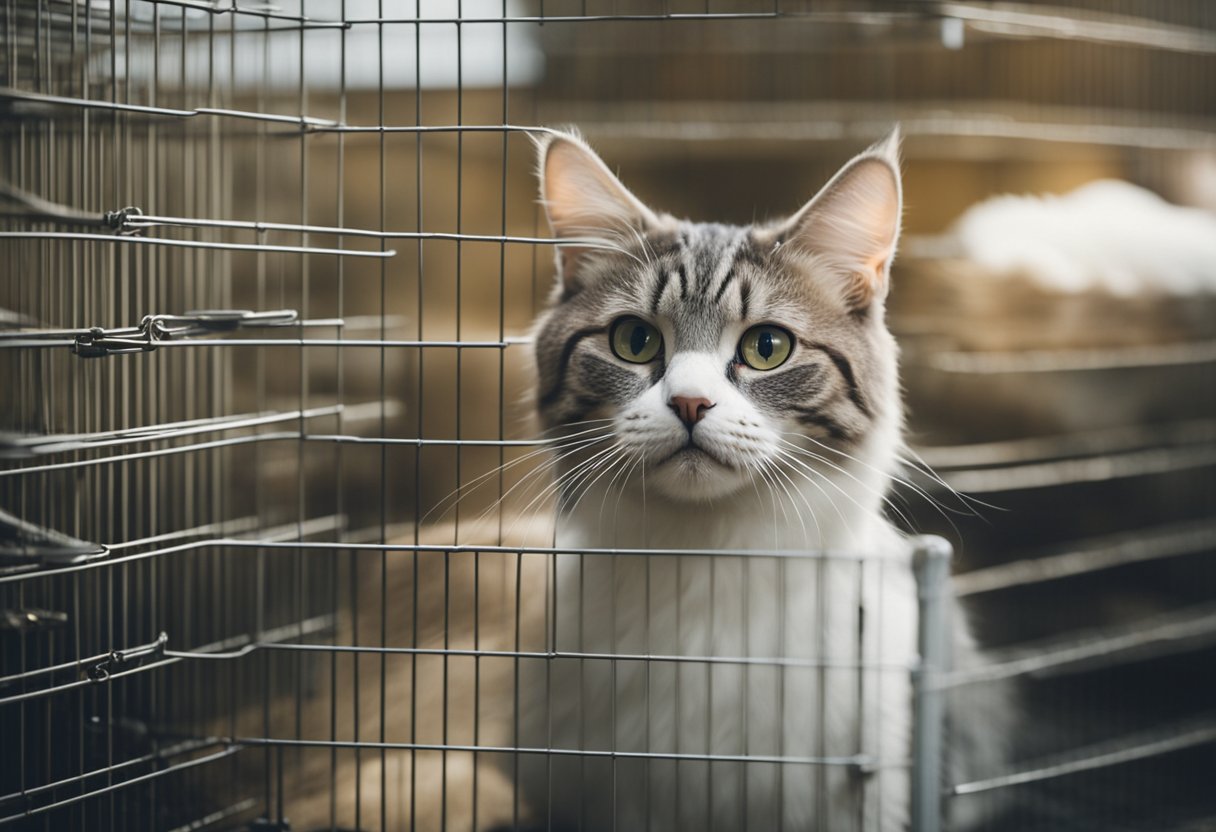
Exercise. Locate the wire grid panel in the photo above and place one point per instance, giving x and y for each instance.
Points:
(266, 275)
(248, 373)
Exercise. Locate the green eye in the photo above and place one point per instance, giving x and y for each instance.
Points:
(765, 347)
(634, 340)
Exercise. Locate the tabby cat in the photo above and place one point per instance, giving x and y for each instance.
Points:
(718, 387)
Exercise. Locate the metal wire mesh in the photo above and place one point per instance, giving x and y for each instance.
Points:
(267, 278)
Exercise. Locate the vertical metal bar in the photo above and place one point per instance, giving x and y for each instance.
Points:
(421, 407)
(340, 504)
(931, 562)
(383, 431)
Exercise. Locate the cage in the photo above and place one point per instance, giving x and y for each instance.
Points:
(274, 547)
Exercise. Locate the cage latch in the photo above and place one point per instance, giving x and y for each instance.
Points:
(119, 660)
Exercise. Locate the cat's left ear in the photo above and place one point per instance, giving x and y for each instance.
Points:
(851, 227)
(583, 199)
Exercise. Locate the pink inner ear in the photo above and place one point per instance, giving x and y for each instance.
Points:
(853, 224)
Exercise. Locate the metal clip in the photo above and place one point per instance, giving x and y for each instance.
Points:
(120, 221)
(99, 343)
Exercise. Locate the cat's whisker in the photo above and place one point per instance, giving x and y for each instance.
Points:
(567, 477)
(891, 475)
(639, 460)
(606, 465)
(545, 490)
(811, 470)
(869, 488)
(580, 489)
(632, 461)
(751, 475)
(795, 461)
(765, 471)
(466, 489)
(566, 483)
(533, 476)
(801, 523)
(549, 446)
(918, 464)
(935, 504)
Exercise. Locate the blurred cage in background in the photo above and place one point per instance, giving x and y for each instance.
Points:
(268, 274)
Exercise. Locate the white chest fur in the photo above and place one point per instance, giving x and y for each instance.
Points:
(754, 688)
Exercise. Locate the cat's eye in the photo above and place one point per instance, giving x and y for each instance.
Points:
(634, 340)
(765, 347)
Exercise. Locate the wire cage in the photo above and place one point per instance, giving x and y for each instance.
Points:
(274, 547)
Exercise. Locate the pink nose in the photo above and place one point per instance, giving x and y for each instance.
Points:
(690, 410)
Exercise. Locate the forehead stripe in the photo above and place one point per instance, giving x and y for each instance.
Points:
(656, 294)
(725, 266)
(722, 287)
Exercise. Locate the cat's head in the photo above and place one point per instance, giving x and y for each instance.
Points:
(709, 347)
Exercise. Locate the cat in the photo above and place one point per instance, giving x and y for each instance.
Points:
(716, 387)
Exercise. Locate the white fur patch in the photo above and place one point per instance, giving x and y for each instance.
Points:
(1107, 235)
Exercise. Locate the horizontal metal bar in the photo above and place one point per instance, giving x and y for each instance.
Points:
(1075, 360)
(16, 343)
(852, 761)
(78, 665)
(285, 531)
(134, 221)
(163, 327)
(454, 549)
(83, 683)
(215, 10)
(1025, 19)
(94, 104)
(196, 244)
(185, 747)
(542, 19)
(1011, 20)
(143, 778)
(1091, 556)
(1076, 471)
(1140, 746)
(436, 128)
(177, 449)
(555, 655)
(1193, 628)
(958, 123)
(218, 816)
(287, 631)
(41, 445)
(426, 443)
(1086, 443)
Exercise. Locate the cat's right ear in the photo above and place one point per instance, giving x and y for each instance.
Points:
(583, 200)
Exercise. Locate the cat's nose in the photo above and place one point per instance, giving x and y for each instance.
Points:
(690, 410)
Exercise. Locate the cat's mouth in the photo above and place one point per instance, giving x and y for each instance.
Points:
(692, 453)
